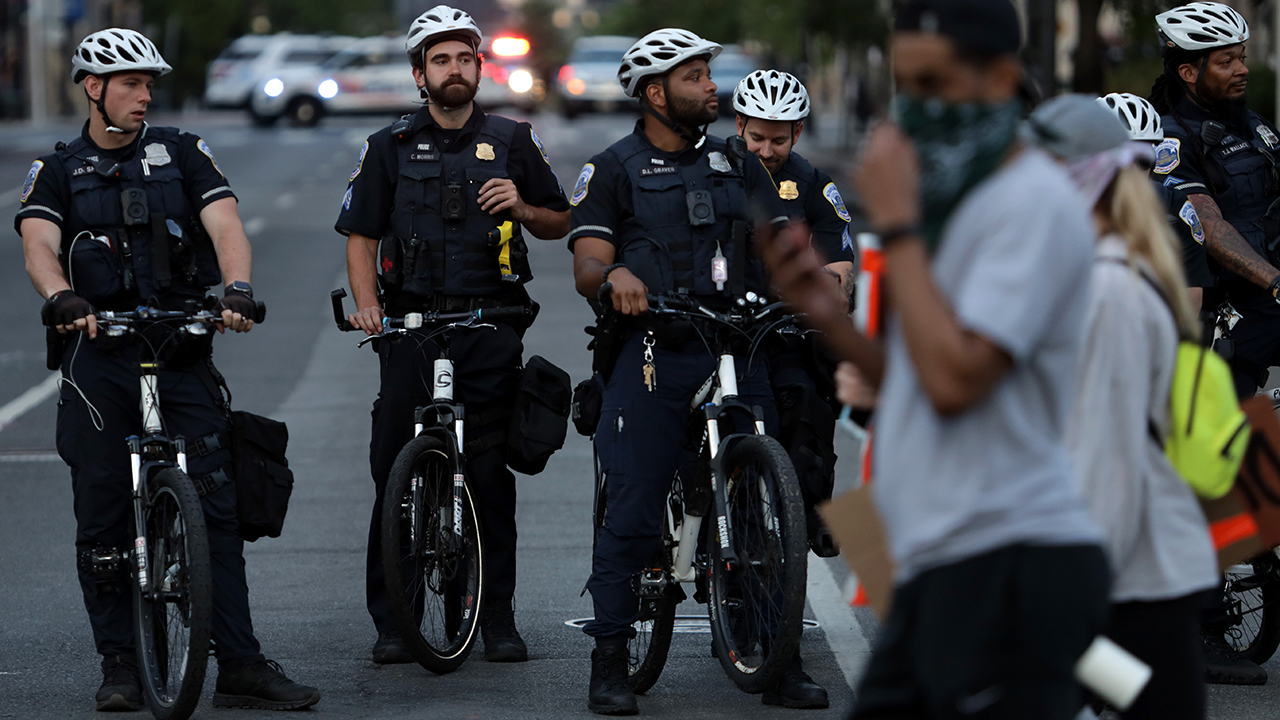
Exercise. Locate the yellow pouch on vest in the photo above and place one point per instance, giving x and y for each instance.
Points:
(1208, 431)
(501, 237)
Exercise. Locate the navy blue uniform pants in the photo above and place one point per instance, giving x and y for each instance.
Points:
(103, 487)
(486, 370)
(1257, 343)
(640, 441)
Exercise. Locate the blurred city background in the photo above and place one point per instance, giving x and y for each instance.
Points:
(272, 58)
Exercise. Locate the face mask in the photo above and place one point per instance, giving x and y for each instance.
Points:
(958, 146)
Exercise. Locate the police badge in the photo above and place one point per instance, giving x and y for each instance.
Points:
(787, 190)
(484, 151)
(1267, 136)
(719, 162)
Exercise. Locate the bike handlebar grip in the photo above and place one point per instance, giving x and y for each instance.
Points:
(606, 289)
(259, 311)
(339, 316)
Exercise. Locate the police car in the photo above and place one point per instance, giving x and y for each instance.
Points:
(589, 78)
(373, 76)
(233, 75)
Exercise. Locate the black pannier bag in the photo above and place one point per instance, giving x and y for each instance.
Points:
(540, 416)
(263, 478)
(588, 401)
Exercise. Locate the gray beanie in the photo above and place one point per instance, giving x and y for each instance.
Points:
(1070, 127)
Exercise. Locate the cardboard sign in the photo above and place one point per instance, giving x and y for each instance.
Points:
(1247, 520)
(855, 525)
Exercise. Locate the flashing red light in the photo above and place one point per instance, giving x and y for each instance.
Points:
(510, 46)
(566, 73)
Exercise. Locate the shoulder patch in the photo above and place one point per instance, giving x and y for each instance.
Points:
(30, 183)
(346, 199)
(1189, 216)
(538, 142)
(1171, 181)
(846, 241)
(1167, 156)
(832, 194)
(360, 162)
(580, 188)
(203, 147)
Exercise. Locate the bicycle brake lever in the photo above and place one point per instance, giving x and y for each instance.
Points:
(384, 333)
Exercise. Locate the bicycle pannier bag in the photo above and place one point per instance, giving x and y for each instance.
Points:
(588, 400)
(263, 478)
(540, 417)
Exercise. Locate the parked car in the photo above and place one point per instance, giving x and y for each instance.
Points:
(588, 81)
(250, 59)
(373, 76)
(727, 70)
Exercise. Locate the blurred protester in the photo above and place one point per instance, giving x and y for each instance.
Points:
(1158, 543)
(1001, 581)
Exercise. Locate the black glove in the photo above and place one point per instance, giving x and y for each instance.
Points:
(64, 308)
(239, 302)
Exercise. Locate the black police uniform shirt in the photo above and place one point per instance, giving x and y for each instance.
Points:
(1186, 225)
(604, 203)
(369, 200)
(809, 194)
(1236, 171)
(46, 193)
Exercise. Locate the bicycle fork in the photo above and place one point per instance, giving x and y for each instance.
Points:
(151, 425)
(442, 381)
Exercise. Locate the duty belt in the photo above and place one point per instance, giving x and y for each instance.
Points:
(448, 303)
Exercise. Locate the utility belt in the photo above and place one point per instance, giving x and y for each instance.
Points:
(400, 304)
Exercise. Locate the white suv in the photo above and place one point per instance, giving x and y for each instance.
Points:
(232, 76)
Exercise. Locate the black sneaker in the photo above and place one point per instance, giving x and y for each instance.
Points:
(502, 643)
(262, 685)
(121, 690)
(609, 693)
(390, 650)
(797, 690)
(821, 541)
(1224, 666)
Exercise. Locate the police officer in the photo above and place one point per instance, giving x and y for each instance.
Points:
(425, 197)
(633, 228)
(183, 234)
(771, 108)
(1222, 156)
(1143, 123)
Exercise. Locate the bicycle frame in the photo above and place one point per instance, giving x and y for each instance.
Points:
(146, 455)
(447, 413)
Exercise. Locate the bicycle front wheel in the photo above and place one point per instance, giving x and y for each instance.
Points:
(1253, 598)
(757, 605)
(434, 579)
(173, 614)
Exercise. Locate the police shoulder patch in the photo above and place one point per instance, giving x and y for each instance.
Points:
(538, 142)
(846, 240)
(203, 147)
(360, 162)
(1189, 216)
(1167, 156)
(580, 188)
(832, 194)
(30, 183)
(346, 199)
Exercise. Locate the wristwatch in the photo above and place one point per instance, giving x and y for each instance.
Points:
(241, 287)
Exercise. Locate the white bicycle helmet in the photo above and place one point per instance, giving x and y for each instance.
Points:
(116, 50)
(658, 53)
(440, 20)
(1202, 26)
(1137, 115)
(771, 95)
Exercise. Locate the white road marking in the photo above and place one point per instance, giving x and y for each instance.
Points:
(253, 226)
(844, 633)
(29, 399)
(24, 457)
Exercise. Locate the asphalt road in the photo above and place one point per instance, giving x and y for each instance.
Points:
(307, 586)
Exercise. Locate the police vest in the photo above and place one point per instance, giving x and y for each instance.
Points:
(441, 242)
(1240, 173)
(133, 235)
(683, 219)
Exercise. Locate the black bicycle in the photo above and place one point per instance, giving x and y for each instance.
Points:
(172, 585)
(749, 566)
(432, 555)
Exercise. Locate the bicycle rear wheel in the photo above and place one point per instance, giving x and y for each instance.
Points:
(435, 584)
(172, 617)
(757, 606)
(1253, 597)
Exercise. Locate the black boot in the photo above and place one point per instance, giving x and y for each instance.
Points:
(797, 690)
(502, 643)
(121, 690)
(263, 685)
(390, 650)
(821, 541)
(609, 694)
(1224, 666)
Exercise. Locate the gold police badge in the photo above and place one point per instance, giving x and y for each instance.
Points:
(787, 190)
(484, 151)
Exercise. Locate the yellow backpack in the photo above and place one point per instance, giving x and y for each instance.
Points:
(1208, 433)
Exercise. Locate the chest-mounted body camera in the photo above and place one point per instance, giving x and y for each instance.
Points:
(134, 203)
(702, 210)
(453, 202)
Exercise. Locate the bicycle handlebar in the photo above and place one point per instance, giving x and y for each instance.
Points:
(414, 321)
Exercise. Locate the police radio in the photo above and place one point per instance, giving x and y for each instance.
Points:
(453, 202)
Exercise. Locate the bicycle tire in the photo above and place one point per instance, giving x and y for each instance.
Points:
(437, 615)
(172, 627)
(756, 640)
(1257, 633)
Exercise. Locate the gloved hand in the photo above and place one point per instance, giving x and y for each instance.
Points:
(238, 302)
(64, 308)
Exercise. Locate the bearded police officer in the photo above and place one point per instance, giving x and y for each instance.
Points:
(85, 256)
(1222, 156)
(424, 200)
(633, 228)
(771, 108)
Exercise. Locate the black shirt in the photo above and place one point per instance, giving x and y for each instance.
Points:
(46, 194)
(367, 204)
(813, 197)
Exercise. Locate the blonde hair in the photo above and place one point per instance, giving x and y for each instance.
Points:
(1134, 212)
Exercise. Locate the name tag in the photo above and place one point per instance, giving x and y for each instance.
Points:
(1232, 150)
(667, 170)
(82, 170)
(424, 157)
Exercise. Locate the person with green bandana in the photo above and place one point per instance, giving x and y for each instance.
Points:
(1000, 579)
